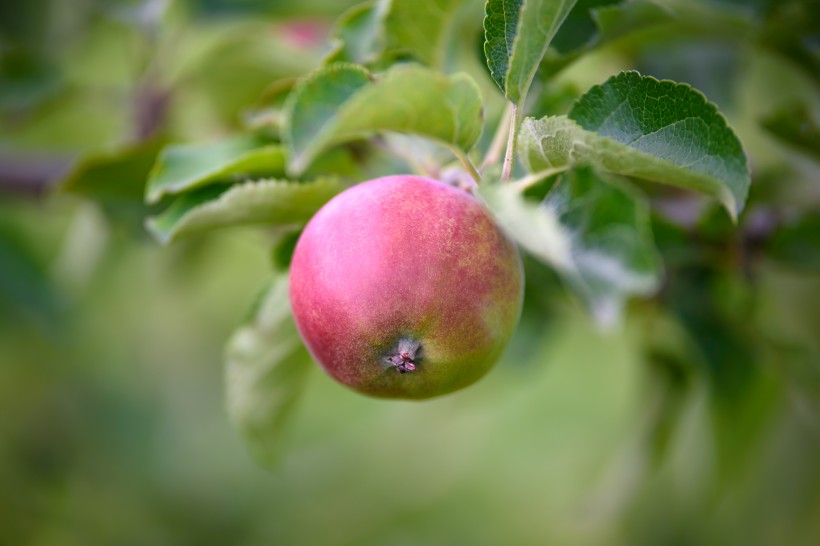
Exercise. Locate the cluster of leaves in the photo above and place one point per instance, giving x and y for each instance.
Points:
(574, 188)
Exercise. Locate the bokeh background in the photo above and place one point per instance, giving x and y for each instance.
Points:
(694, 421)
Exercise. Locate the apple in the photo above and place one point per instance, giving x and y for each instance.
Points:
(404, 287)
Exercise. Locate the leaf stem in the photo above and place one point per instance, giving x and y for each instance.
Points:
(468, 164)
(509, 157)
(528, 181)
(497, 145)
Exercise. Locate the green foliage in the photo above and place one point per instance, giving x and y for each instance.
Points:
(593, 229)
(642, 127)
(517, 34)
(795, 125)
(266, 370)
(185, 167)
(338, 103)
(692, 420)
(268, 202)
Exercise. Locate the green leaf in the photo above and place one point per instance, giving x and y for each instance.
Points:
(359, 34)
(517, 34)
(313, 108)
(385, 29)
(638, 126)
(116, 182)
(266, 368)
(420, 28)
(188, 166)
(338, 103)
(797, 243)
(580, 28)
(795, 125)
(594, 231)
(115, 176)
(271, 202)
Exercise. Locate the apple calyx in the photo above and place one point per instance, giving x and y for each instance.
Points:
(405, 355)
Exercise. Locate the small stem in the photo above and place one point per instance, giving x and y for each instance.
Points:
(509, 157)
(497, 145)
(523, 183)
(468, 164)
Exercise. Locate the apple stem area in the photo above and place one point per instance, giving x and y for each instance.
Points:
(404, 355)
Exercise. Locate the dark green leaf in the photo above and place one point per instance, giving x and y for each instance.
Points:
(266, 372)
(188, 166)
(580, 28)
(797, 243)
(271, 202)
(796, 126)
(118, 176)
(639, 126)
(517, 34)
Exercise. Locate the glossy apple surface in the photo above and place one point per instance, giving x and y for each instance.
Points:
(404, 287)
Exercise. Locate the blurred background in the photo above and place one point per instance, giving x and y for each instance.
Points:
(695, 421)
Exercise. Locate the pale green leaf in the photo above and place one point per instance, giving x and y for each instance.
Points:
(384, 29)
(270, 202)
(639, 126)
(517, 34)
(338, 103)
(184, 167)
(266, 368)
(420, 28)
(594, 231)
(359, 34)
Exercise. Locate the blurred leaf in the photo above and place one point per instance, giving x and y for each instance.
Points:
(25, 286)
(421, 28)
(795, 125)
(517, 34)
(726, 353)
(187, 166)
(116, 176)
(395, 28)
(797, 244)
(266, 115)
(283, 250)
(359, 34)
(595, 231)
(266, 372)
(271, 202)
(338, 103)
(25, 80)
(638, 126)
(116, 182)
(580, 28)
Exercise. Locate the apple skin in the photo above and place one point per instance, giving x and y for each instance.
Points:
(405, 264)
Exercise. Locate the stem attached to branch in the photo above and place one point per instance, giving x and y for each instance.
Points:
(509, 157)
